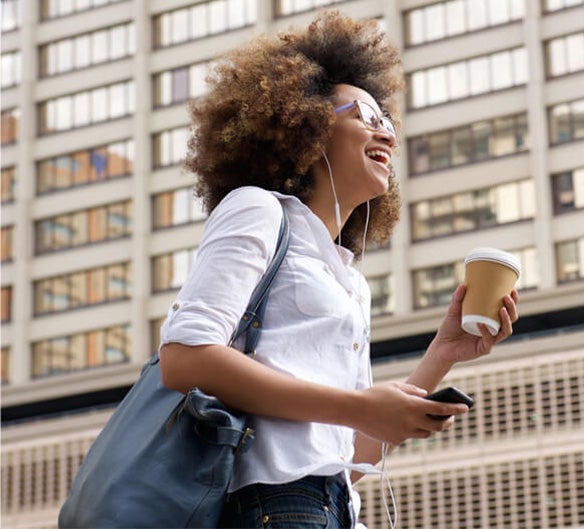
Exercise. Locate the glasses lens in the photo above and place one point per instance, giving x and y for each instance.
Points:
(388, 125)
(370, 117)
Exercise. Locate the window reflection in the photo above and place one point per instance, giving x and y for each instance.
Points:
(568, 191)
(566, 122)
(7, 238)
(6, 305)
(454, 17)
(475, 142)
(83, 227)
(205, 18)
(382, 301)
(173, 208)
(84, 108)
(434, 285)
(10, 125)
(85, 350)
(473, 210)
(60, 8)
(169, 271)
(565, 54)
(570, 260)
(170, 146)
(10, 69)
(8, 184)
(473, 76)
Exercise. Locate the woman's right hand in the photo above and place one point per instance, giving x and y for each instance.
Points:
(393, 412)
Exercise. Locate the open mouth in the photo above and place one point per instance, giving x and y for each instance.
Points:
(379, 156)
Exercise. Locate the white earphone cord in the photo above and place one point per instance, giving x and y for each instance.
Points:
(384, 480)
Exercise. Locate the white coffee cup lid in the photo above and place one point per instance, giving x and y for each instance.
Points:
(470, 321)
(495, 255)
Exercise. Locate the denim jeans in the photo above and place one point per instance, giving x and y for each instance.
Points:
(309, 503)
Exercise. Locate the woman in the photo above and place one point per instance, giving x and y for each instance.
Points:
(298, 121)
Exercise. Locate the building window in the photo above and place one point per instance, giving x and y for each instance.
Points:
(555, 5)
(180, 85)
(62, 8)
(84, 167)
(288, 7)
(468, 78)
(203, 19)
(88, 49)
(169, 271)
(6, 314)
(456, 17)
(477, 142)
(11, 14)
(79, 228)
(434, 286)
(5, 365)
(169, 147)
(568, 191)
(7, 244)
(177, 207)
(86, 108)
(570, 260)
(8, 184)
(473, 210)
(82, 289)
(155, 326)
(10, 125)
(565, 55)
(566, 122)
(382, 301)
(10, 66)
(66, 354)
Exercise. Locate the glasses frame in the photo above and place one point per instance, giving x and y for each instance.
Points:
(385, 122)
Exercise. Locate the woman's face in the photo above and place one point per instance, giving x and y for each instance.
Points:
(360, 157)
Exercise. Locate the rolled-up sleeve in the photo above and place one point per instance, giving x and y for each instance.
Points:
(238, 243)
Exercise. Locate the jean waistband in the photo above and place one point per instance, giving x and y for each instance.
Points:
(326, 486)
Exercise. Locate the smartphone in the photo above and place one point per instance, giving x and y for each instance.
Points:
(450, 394)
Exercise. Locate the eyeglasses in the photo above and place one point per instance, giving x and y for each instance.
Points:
(369, 117)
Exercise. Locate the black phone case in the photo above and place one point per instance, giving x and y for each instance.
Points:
(450, 394)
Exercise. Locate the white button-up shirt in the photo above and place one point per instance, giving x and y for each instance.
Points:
(316, 326)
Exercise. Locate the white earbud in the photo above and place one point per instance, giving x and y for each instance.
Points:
(337, 207)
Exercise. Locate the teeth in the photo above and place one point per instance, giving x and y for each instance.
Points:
(379, 154)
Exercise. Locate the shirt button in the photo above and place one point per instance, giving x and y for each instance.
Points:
(355, 346)
(175, 306)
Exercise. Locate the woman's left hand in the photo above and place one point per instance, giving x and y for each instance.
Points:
(455, 345)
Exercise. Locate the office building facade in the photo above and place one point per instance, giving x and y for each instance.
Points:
(99, 229)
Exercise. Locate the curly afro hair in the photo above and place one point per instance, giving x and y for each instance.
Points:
(269, 113)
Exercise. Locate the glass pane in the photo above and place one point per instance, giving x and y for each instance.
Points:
(64, 56)
(99, 106)
(118, 43)
(457, 80)
(498, 11)
(501, 70)
(179, 26)
(556, 57)
(217, 16)
(419, 151)
(504, 137)
(197, 85)
(481, 135)
(455, 20)
(578, 183)
(82, 51)
(439, 151)
(520, 69)
(81, 109)
(577, 119)
(415, 26)
(477, 14)
(64, 113)
(180, 85)
(461, 146)
(435, 24)
(560, 130)
(99, 51)
(417, 91)
(179, 144)
(117, 101)
(80, 163)
(479, 75)
(180, 207)
(437, 90)
(575, 51)
(236, 13)
(527, 199)
(199, 26)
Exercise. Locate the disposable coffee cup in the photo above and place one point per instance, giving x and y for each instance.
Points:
(490, 274)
